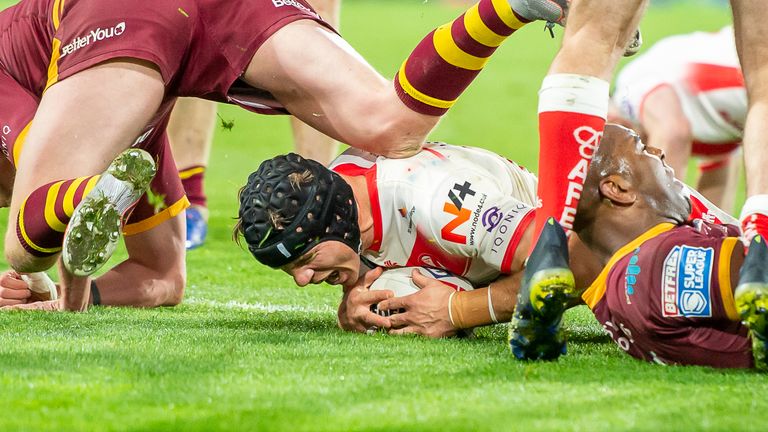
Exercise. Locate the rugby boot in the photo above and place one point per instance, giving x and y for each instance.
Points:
(634, 44)
(751, 298)
(551, 11)
(94, 229)
(535, 331)
(197, 227)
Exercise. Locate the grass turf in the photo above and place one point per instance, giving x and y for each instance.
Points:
(249, 351)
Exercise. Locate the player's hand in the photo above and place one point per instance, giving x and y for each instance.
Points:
(426, 311)
(50, 305)
(355, 308)
(13, 289)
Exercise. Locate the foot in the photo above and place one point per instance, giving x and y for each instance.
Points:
(634, 44)
(535, 332)
(751, 298)
(197, 226)
(551, 11)
(94, 229)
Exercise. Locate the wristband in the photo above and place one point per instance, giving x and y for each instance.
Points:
(469, 309)
(490, 307)
(95, 296)
(450, 307)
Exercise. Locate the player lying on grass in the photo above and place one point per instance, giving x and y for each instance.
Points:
(154, 272)
(666, 292)
(686, 96)
(83, 80)
(461, 209)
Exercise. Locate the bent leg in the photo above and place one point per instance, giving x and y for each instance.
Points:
(154, 273)
(749, 18)
(114, 101)
(358, 106)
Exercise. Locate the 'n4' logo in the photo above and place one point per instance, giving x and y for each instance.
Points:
(455, 208)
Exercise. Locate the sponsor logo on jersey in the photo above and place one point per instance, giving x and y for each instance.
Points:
(96, 35)
(294, 3)
(476, 218)
(388, 263)
(492, 218)
(506, 227)
(455, 208)
(4, 138)
(686, 282)
(630, 276)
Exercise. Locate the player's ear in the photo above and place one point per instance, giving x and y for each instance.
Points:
(617, 190)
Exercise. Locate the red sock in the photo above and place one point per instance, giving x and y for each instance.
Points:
(448, 59)
(754, 218)
(192, 179)
(572, 111)
(44, 215)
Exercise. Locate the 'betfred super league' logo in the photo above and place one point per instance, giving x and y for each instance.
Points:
(686, 281)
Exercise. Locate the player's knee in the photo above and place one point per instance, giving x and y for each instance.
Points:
(176, 283)
(22, 261)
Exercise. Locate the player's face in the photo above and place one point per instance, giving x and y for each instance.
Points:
(330, 261)
(652, 178)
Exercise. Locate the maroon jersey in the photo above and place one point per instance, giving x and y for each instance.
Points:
(201, 48)
(666, 297)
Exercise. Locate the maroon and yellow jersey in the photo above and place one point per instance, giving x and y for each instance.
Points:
(201, 48)
(666, 297)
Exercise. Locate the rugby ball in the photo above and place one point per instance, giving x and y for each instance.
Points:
(398, 280)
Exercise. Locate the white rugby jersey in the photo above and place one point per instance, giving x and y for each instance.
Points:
(703, 69)
(461, 209)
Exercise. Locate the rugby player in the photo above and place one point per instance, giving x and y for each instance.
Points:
(686, 96)
(461, 209)
(154, 274)
(82, 80)
(190, 132)
(573, 105)
(666, 293)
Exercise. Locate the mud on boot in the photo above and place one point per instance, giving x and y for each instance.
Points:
(94, 230)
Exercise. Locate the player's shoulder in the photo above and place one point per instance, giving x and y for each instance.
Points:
(353, 162)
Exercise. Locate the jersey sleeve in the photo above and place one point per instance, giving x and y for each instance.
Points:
(702, 208)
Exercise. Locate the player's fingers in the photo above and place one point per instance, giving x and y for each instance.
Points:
(375, 296)
(371, 276)
(374, 320)
(403, 331)
(9, 302)
(12, 280)
(394, 303)
(15, 294)
(51, 305)
(419, 279)
(400, 320)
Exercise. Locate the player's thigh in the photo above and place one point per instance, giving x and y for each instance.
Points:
(322, 81)
(83, 122)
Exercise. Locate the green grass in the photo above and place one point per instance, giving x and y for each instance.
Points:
(250, 351)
